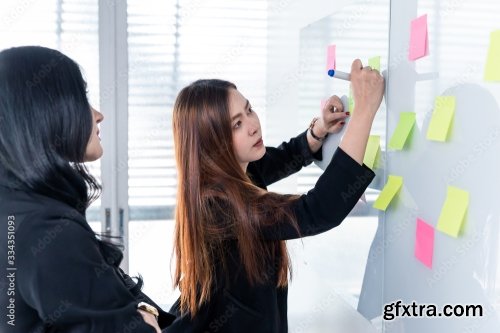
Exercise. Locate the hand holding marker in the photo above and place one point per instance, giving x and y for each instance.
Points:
(341, 75)
(331, 63)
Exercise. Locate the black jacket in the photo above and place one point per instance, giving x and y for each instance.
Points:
(57, 277)
(235, 305)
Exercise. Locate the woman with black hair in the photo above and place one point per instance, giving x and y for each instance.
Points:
(57, 276)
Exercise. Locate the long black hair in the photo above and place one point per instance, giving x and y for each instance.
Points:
(45, 126)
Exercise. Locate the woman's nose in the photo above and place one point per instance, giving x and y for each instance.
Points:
(254, 129)
(98, 116)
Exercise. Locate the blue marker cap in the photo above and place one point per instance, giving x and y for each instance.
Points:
(339, 75)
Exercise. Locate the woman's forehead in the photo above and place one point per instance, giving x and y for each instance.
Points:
(237, 102)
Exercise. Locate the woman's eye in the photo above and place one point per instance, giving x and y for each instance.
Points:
(250, 110)
(237, 124)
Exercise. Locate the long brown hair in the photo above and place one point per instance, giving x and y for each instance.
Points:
(217, 201)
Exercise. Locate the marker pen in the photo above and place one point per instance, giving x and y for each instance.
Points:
(339, 75)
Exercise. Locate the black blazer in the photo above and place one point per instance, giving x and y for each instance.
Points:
(235, 305)
(57, 277)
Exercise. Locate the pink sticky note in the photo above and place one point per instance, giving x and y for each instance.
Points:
(419, 41)
(330, 58)
(424, 244)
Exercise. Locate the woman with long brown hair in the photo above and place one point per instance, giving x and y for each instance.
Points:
(232, 263)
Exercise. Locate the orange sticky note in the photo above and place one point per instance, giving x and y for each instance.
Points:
(419, 41)
(330, 58)
(424, 243)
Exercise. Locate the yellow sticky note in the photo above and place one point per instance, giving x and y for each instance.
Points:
(453, 211)
(492, 68)
(402, 131)
(444, 109)
(372, 150)
(374, 63)
(351, 101)
(390, 189)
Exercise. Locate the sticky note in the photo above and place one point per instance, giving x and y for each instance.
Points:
(453, 211)
(402, 131)
(439, 126)
(374, 63)
(390, 189)
(372, 150)
(424, 242)
(330, 58)
(351, 101)
(492, 68)
(419, 41)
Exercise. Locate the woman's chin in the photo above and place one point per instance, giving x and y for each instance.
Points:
(93, 156)
(262, 152)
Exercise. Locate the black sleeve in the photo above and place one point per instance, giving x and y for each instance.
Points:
(64, 277)
(165, 319)
(329, 202)
(288, 158)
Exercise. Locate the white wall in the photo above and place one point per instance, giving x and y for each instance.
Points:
(319, 300)
(286, 18)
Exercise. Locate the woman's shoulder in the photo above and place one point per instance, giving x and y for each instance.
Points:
(37, 212)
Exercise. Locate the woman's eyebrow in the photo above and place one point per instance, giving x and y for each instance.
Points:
(247, 106)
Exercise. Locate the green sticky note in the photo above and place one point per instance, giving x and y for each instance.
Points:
(351, 101)
(492, 68)
(453, 211)
(390, 189)
(444, 109)
(372, 150)
(402, 131)
(374, 63)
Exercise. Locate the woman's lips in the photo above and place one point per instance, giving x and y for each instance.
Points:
(259, 143)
